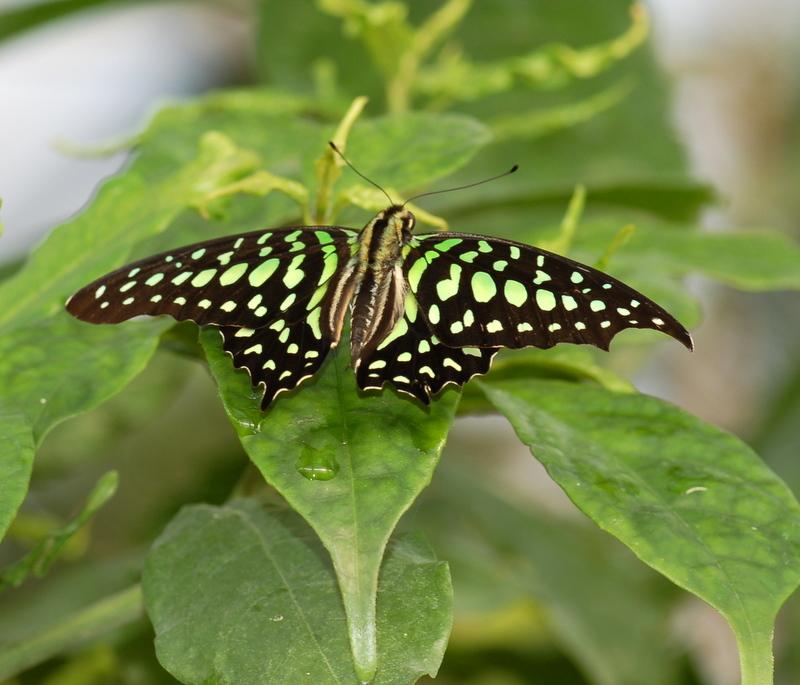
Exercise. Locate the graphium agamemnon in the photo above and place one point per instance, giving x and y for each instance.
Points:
(425, 310)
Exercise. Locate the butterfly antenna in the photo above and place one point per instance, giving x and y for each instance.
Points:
(368, 180)
(469, 185)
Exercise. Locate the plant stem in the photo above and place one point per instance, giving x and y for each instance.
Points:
(94, 621)
(755, 657)
(327, 166)
(622, 236)
(569, 224)
(426, 37)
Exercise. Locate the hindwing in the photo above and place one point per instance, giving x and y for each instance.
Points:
(413, 360)
(278, 357)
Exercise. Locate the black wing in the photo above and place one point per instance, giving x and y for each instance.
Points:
(487, 292)
(248, 280)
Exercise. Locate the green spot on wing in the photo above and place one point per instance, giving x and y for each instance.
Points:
(400, 328)
(294, 274)
(569, 302)
(313, 322)
(448, 287)
(415, 273)
(262, 272)
(515, 293)
(483, 286)
(546, 300)
(448, 244)
(330, 262)
(203, 278)
(233, 274)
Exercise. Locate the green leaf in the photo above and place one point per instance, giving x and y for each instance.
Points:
(599, 604)
(379, 452)
(282, 620)
(410, 150)
(38, 561)
(80, 367)
(748, 260)
(690, 500)
(16, 462)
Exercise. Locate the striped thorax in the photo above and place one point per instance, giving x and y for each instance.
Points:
(378, 283)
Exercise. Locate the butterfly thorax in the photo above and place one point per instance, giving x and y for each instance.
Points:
(378, 281)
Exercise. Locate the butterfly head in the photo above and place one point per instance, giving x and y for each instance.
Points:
(399, 220)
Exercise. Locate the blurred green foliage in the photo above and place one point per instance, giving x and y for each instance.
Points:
(269, 577)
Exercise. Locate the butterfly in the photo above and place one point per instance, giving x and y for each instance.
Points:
(425, 310)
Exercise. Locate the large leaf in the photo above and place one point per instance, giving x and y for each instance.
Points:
(53, 367)
(690, 500)
(242, 594)
(378, 452)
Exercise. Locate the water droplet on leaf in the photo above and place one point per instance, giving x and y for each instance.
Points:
(317, 465)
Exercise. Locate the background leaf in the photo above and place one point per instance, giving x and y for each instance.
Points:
(41, 557)
(691, 501)
(80, 367)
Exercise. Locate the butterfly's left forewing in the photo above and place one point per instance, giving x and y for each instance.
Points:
(478, 291)
(248, 280)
